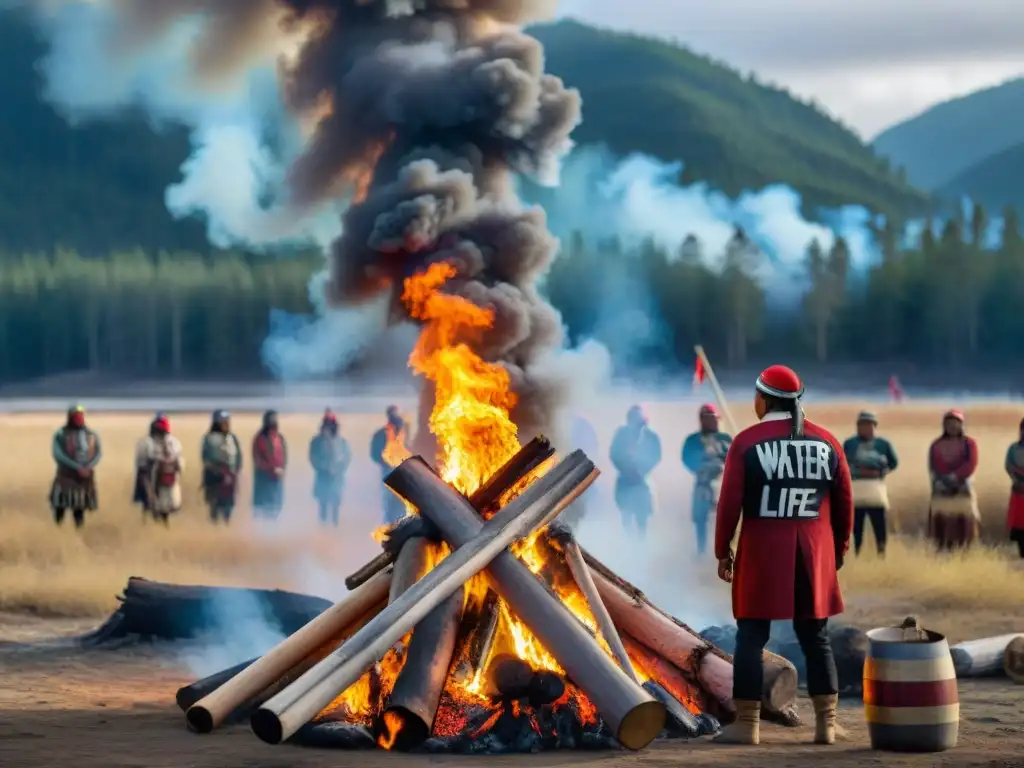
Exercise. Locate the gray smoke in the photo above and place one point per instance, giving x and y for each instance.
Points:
(422, 111)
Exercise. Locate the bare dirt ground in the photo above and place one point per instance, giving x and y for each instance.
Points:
(115, 708)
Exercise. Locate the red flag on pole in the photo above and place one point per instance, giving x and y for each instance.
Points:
(895, 390)
(698, 372)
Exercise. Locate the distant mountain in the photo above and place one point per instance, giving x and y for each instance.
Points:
(646, 95)
(996, 182)
(99, 186)
(951, 137)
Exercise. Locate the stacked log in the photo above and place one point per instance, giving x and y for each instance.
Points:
(280, 717)
(629, 711)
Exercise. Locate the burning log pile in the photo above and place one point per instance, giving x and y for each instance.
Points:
(485, 629)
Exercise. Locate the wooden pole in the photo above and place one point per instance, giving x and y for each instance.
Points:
(209, 712)
(629, 711)
(279, 718)
(585, 581)
(417, 690)
(410, 564)
(719, 395)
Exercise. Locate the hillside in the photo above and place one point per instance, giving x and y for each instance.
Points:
(949, 138)
(996, 182)
(100, 186)
(93, 187)
(737, 134)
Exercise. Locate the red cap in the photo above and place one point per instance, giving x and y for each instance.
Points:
(162, 424)
(329, 417)
(954, 414)
(780, 381)
(708, 409)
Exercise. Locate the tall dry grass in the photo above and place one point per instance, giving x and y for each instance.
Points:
(59, 571)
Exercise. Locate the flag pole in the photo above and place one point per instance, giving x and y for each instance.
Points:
(713, 381)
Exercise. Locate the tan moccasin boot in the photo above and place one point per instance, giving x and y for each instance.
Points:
(746, 729)
(825, 718)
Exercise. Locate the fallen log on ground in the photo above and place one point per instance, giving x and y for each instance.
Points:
(635, 615)
(280, 717)
(983, 657)
(152, 610)
(629, 711)
(1013, 660)
(329, 627)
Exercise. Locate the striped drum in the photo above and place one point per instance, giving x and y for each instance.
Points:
(910, 694)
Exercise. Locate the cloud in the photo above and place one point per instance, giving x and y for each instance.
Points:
(867, 61)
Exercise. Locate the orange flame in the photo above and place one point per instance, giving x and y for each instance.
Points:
(396, 448)
(392, 727)
(472, 397)
(471, 420)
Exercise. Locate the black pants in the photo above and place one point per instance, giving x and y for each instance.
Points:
(220, 512)
(752, 636)
(877, 517)
(1017, 535)
(77, 514)
(330, 513)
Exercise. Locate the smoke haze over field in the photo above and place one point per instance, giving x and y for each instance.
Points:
(288, 109)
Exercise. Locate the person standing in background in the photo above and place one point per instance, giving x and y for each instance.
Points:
(1015, 513)
(159, 462)
(635, 452)
(583, 437)
(871, 459)
(141, 491)
(704, 455)
(76, 450)
(330, 456)
(953, 515)
(787, 479)
(389, 446)
(270, 459)
(222, 463)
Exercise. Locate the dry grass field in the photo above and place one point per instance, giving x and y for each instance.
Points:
(115, 710)
(61, 572)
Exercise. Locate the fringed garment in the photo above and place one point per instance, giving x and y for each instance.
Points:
(75, 449)
(953, 515)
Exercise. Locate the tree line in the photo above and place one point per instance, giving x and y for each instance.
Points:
(950, 301)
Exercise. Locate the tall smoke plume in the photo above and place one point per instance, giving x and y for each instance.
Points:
(421, 112)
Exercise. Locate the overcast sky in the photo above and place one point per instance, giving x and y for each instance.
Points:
(870, 62)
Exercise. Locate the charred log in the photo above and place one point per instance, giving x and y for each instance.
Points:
(526, 460)
(190, 694)
(152, 610)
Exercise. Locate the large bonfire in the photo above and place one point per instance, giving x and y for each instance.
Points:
(476, 437)
(422, 112)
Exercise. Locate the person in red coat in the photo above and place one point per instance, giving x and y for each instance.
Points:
(953, 515)
(789, 482)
